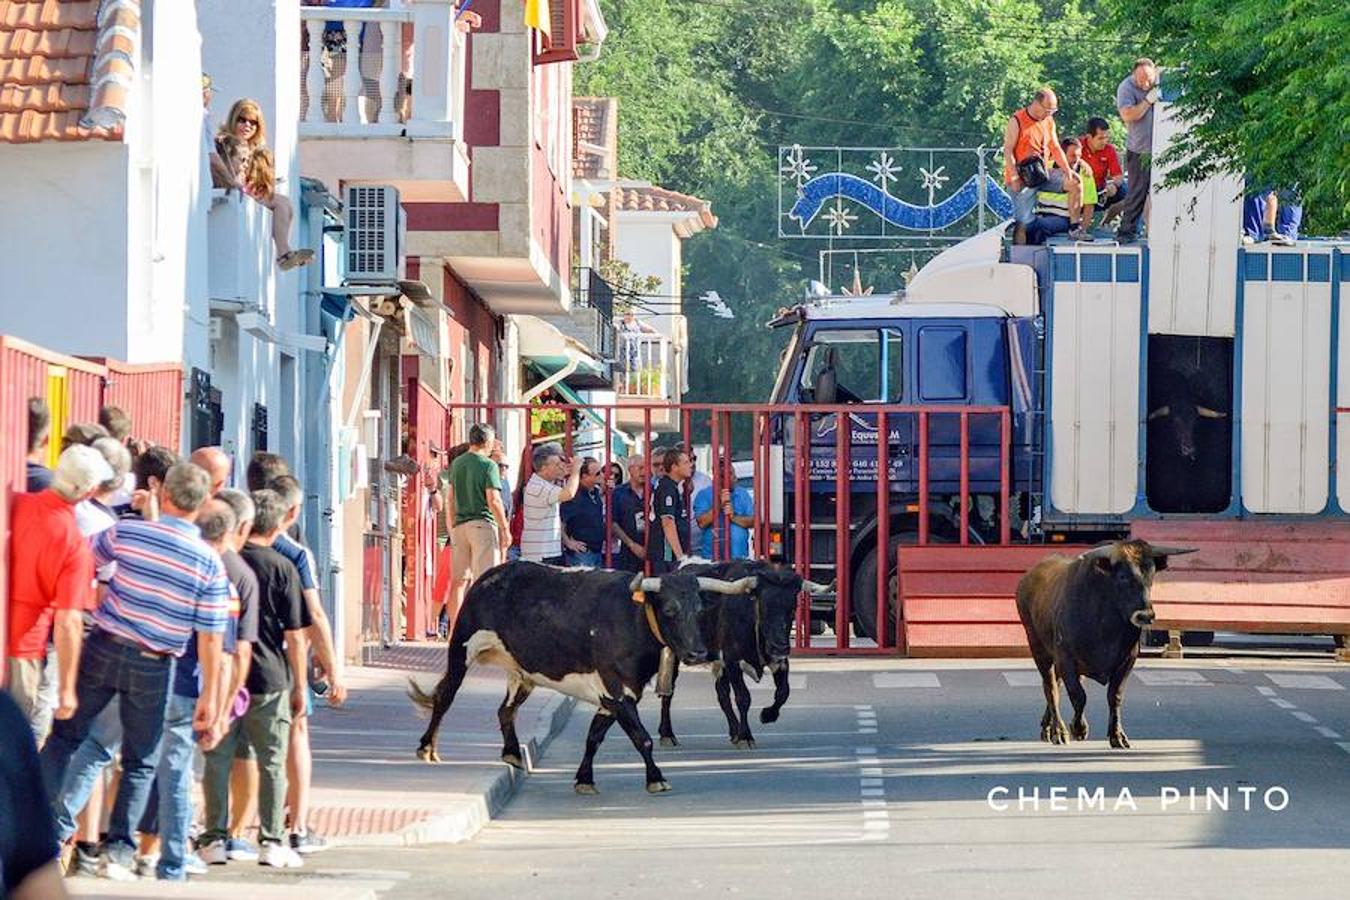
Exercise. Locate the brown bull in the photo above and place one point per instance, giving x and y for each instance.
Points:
(1083, 616)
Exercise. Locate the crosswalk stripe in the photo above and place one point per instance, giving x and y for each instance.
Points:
(796, 681)
(905, 680)
(1170, 677)
(1022, 678)
(1307, 682)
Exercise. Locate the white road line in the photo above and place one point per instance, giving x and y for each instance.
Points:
(1344, 745)
(1326, 732)
(796, 681)
(905, 680)
(878, 782)
(879, 814)
(1304, 717)
(869, 761)
(874, 771)
(1170, 677)
(1022, 678)
(865, 751)
(1281, 703)
(867, 731)
(872, 803)
(1265, 691)
(1305, 682)
(871, 792)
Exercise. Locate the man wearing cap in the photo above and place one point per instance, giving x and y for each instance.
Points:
(51, 576)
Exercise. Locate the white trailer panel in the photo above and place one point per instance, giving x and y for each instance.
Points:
(1194, 232)
(1094, 361)
(1286, 379)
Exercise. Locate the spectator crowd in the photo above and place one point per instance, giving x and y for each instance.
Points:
(165, 628)
(1059, 185)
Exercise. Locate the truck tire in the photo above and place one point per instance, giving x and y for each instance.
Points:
(864, 596)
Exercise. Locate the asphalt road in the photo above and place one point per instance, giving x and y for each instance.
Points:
(877, 782)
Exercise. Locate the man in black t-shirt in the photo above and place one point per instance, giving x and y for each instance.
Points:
(277, 686)
(668, 532)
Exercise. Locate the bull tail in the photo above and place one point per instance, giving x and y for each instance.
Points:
(437, 702)
(417, 695)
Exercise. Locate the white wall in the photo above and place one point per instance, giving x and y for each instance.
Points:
(649, 245)
(63, 230)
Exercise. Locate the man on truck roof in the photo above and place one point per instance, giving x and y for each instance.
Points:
(1030, 143)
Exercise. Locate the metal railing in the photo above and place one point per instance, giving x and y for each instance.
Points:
(644, 365)
(595, 296)
(382, 72)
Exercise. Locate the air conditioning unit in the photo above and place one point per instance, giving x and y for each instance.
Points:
(374, 234)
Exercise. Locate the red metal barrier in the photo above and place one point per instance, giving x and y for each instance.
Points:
(849, 452)
(152, 395)
(428, 422)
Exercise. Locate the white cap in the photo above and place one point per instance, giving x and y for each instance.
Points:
(79, 470)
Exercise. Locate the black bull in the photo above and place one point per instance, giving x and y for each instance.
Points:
(745, 635)
(1083, 617)
(592, 634)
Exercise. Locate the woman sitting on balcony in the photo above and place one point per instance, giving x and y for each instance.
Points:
(242, 146)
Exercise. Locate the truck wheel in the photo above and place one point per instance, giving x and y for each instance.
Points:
(864, 596)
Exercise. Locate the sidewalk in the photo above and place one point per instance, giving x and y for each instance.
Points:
(370, 789)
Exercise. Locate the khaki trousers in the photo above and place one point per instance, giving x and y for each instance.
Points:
(475, 548)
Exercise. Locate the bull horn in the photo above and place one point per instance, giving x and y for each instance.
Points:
(1101, 552)
(644, 584)
(1206, 413)
(1171, 551)
(739, 586)
(1160, 412)
(815, 587)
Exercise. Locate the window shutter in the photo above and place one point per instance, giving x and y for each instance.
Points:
(560, 44)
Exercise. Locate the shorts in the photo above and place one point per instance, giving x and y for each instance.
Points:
(1024, 205)
(475, 548)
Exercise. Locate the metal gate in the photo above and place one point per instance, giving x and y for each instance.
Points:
(809, 477)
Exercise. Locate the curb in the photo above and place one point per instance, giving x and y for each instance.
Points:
(464, 818)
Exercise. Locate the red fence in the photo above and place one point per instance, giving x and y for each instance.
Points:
(427, 430)
(74, 389)
(771, 436)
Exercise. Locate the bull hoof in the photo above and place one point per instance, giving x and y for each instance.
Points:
(1045, 733)
(745, 744)
(768, 715)
(1119, 741)
(658, 787)
(1079, 731)
(668, 740)
(513, 760)
(428, 754)
(586, 790)
(1059, 734)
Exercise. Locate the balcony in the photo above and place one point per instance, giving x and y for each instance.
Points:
(590, 321)
(239, 256)
(358, 121)
(645, 377)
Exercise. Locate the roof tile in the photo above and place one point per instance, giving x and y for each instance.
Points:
(50, 51)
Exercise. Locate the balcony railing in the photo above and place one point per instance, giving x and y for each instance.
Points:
(382, 72)
(643, 365)
(593, 311)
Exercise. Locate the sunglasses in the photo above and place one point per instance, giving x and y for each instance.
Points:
(250, 122)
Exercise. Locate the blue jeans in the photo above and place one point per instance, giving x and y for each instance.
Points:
(139, 682)
(583, 558)
(173, 784)
(86, 768)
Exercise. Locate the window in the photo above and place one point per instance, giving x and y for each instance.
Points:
(893, 388)
(942, 363)
(843, 367)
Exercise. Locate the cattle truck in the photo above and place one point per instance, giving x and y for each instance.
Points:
(1188, 381)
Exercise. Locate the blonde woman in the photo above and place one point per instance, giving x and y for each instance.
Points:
(242, 146)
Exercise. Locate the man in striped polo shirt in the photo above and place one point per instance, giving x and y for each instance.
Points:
(167, 585)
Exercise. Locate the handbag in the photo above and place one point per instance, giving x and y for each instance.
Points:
(1032, 172)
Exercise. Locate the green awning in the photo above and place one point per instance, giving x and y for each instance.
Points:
(620, 440)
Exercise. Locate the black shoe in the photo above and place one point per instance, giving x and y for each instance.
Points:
(1127, 237)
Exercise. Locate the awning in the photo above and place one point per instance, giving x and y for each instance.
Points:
(621, 440)
(548, 350)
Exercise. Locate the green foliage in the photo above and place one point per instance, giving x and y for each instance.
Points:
(708, 89)
(629, 287)
(1266, 92)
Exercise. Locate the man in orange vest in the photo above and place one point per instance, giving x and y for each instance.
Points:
(1029, 144)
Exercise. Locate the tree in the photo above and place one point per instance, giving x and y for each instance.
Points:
(1265, 90)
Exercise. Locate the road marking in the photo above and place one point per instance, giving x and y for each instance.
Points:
(1344, 745)
(1326, 732)
(876, 822)
(878, 782)
(865, 751)
(1170, 677)
(871, 792)
(874, 771)
(1022, 678)
(1305, 682)
(796, 681)
(1265, 691)
(905, 680)
(1281, 703)
(867, 731)
(1304, 717)
(873, 803)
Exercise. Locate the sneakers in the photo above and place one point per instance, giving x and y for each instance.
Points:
(214, 853)
(118, 864)
(279, 856)
(238, 848)
(1081, 235)
(194, 864)
(307, 842)
(145, 866)
(1280, 240)
(84, 860)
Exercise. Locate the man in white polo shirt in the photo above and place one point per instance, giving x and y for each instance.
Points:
(541, 540)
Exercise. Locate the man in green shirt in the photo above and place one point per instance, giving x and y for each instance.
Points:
(480, 533)
(1056, 213)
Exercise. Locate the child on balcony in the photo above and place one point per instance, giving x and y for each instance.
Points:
(242, 146)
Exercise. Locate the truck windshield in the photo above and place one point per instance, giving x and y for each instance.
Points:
(854, 366)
